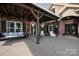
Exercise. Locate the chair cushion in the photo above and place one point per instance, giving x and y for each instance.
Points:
(1, 35)
(13, 34)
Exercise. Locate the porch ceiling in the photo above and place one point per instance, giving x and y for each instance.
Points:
(70, 17)
(13, 10)
(24, 11)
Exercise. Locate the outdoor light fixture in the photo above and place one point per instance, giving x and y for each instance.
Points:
(42, 25)
(33, 25)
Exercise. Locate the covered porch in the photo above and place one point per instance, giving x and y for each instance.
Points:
(16, 19)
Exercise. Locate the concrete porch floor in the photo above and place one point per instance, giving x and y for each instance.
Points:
(49, 46)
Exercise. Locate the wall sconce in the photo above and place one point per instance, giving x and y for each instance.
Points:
(33, 25)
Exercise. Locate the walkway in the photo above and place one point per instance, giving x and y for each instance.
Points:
(49, 46)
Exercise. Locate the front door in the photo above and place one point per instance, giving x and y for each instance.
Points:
(50, 28)
(71, 29)
(33, 29)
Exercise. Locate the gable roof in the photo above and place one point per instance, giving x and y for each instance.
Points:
(68, 6)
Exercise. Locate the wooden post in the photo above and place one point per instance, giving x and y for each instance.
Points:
(57, 33)
(38, 31)
(37, 16)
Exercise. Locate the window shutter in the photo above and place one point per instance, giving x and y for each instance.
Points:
(3, 26)
(24, 27)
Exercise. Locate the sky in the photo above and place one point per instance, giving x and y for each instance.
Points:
(45, 5)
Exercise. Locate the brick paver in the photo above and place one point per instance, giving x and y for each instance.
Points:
(49, 46)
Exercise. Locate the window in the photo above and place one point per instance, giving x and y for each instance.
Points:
(10, 27)
(70, 28)
(18, 27)
(14, 26)
(50, 27)
(53, 10)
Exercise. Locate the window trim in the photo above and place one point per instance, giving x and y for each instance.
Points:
(14, 26)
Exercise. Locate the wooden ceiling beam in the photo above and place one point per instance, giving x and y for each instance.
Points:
(30, 8)
(4, 8)
(15, 10)
(21, 11)
(28, 13)
(18, 12)
(23, 14)
(8, 9)
(0, 10)
(43, 14)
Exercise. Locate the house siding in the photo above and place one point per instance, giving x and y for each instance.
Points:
(26, 26)
(3, 25)
(61, 27)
